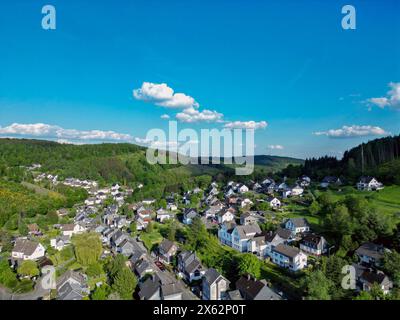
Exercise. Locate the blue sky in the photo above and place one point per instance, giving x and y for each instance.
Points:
(288, 63)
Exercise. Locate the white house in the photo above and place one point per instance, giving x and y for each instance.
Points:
(60, 243)
(27, 250)
(243, 188)
(246, 202)
(226, 216)
(274, 202)
(369, 184)
(297, 191)
(163, 215)
(238, 237)
(214, 285)
(289, 257)
(314, 244)
(172, 207)
(71, 229)
(297, 225)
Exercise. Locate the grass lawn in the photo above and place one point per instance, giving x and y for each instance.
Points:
(151, 239)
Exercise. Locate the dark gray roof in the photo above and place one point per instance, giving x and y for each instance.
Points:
(166, 245)
(299, 222)
(286, 250)
(371, 250)
(284, 233)
(253, 289)
(170, 289)
(69, 291)
(149, 288)
(212, 275)
(143, 266)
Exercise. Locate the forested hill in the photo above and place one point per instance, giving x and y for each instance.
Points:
(109, 163)
(380, 157)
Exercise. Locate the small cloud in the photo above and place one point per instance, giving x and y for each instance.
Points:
(392, 98)
(165, 117)
(192, 115)
(352, 132)
(56, 132)
(276, 147)
(246, 125)
(162, 95)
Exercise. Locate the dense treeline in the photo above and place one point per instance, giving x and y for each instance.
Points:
(380, 158)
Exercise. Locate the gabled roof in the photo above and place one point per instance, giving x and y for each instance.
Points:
(299, 222)
(212, 276)
(246, 230)
(287, 251)
(366, 179)
(253, 289)
(374, 277)
(371, 250)
(166, 245)
(25, 246)
(71, 275)
(149, 287)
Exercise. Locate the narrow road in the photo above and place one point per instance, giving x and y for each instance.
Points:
(36, 294)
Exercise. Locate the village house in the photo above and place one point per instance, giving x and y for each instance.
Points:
(273, 239)
(226, 215)
(60, 242)
(289, 257)
(189, 266)
(304, 181)
(172, 206)
(157, 288)
(143, 267)
(274, 202)
(238, 237)
(71, 229)
(296, 191)
(163, 215)
(34, 230)
(367, 277)
(25, 249)
(297, 225)
(243, 188)
(189, 215)
(369, 184)
(72, 286)
(371, 254)
(330, 180)
(253, 289)
(167, 251)
(246, 203)
(247, 218)
(314, 244)
(214, 285)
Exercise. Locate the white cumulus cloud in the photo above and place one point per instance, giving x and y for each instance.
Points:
(56, 132)
(191, 115)
(165, 117)
(246, 125)
(164, 96)
(392, 98)
(353, 131)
